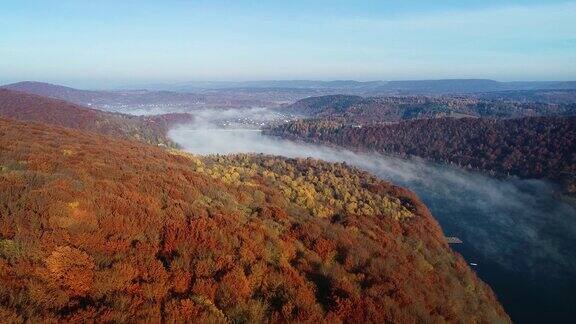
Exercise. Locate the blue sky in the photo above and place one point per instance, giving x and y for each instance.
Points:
(106, 42)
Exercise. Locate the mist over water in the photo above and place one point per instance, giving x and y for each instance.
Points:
(519, 232)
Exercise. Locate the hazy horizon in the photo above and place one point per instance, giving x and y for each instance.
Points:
(109, 43)
(119, 85)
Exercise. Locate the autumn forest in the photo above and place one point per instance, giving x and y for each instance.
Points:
(98, 228)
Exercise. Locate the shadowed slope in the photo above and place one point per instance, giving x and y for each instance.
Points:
(149, 129)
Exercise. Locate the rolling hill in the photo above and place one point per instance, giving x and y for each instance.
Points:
(147, 102)
(96, 228)
(28, 107)
(103, 98)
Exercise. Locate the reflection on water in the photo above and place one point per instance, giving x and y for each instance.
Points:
(518, 232)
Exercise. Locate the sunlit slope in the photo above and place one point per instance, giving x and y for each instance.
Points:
(29, 107)
(97, 228)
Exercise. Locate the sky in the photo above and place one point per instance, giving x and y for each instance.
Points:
(106, 42)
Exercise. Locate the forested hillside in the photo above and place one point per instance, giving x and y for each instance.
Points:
(94, 228)
(536, 147)
(28, 107)
(396, 108)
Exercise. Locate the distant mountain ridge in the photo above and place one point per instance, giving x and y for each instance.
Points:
(155, 101)
(441, 86)
(188, 97)
(470, 86)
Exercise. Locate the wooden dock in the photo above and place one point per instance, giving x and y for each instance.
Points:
(453, 240)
